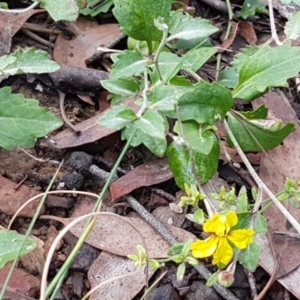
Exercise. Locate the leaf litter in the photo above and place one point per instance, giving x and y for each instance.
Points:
(91, 134)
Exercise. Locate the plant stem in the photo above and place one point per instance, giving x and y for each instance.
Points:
(34, 218)
(90, 222)
(272, 23)
(259, 182)
(144, 94)
(165, 29)
(19, 11)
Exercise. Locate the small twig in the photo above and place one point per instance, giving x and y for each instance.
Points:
(40, 28)
(21, 182)
(36, 37)
(252, 283)
(31, 156)
(272, 23)
(259, 182)
(19, 11)
(291, 235)
(62, 97)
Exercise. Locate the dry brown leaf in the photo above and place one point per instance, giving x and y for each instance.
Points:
(147, 174)
(85, 45)
(108, 266)
(114, 235)
(11, 200)
(90, 131)
(17, 19)
(281, 163)
(227, 43)
(247, 32)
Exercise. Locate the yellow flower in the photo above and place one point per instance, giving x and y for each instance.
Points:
(217, 244)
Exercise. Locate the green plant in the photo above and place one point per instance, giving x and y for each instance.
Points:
(164, 86)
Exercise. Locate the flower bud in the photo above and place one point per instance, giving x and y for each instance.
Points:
(226, 278)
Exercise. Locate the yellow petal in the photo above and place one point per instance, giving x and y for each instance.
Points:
(201, 249)
(231, 218)
(223, 253)
(241, 238)
(220, 224)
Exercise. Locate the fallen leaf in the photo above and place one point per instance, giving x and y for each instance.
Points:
(90, 131)
(11, 200)
(21, 284)
(114, 235)
(147, 174)
(227, 43)
(17, 19)
(109, 266)
(60, 51)
(247, 32)
(280, 163)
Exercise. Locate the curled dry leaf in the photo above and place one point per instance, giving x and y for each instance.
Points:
(109, 266)
(147, 174)
(113, 234)
(247, 32)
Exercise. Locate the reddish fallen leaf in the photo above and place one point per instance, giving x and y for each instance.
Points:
(114, 235)
(60, 51)
(109, 266)
(227, 43)
(147, 174)
(17, 19)
(90, 131)
(11, 200)
(21, 284)
(281, 163)
(247, 32)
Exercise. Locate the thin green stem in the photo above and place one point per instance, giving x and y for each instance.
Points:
(165, 29)
(19, 11)
(259, 182)
(89, 225)
(144, 94)
(34, 218)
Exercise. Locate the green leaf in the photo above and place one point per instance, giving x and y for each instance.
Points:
(61, 10)
(180, 271)
(251, 7)
(163, 97)
(200, 139)
(196, 58)
(205, 102)
(119, 116)
(129, 63)
(181, 163)
(212, 279)
(101, 8)
(267, 67)
(260, 113)
(169, 65)
(175, 249)
(244, 222)
(229, 78)
(27, 61)
(242, 201)
(252, 137)
(188, 28)
(136, 18)
(10, 243)
(297, 2)
(22, 120)
(249, 257)
(150, 131)
(292, 27)
(121, 86)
